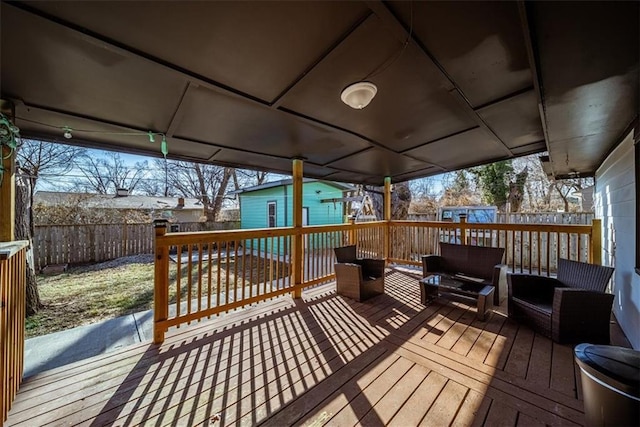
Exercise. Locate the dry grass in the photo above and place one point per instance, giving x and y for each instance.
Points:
(89, 294)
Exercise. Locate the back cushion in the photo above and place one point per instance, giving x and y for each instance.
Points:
(346, 254)
(574, 274)
(482, 261)
(476, 261)
(454, 257)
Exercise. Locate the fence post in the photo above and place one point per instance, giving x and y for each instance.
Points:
(463, 231)
(161, 283)
(596, 241)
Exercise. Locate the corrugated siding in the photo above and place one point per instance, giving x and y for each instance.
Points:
(615, 204)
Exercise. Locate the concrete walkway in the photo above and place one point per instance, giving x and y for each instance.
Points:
(53, 350)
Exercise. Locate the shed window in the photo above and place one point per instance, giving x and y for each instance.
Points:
(271, 214)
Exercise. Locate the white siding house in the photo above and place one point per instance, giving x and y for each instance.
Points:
(615, 204)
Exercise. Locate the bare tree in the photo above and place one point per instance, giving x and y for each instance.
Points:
(458, 190)
(565, 187)
(104, 175)
(208, 183)
(37, 160)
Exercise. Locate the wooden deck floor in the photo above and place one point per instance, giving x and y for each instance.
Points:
(323, 360)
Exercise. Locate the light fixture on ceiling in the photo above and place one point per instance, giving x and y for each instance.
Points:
(359, 95)
(67, 132)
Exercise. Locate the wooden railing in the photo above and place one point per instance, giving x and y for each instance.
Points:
(528, 247)
(202, 274)
(12, 320)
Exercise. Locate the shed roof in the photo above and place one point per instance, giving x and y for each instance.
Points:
(272, 184)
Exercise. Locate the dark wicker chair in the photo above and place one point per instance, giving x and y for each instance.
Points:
(570, 309)
(358, 278)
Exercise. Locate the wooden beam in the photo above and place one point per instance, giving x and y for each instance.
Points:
(387, 215)
(7, 184)
(161, 285)
(298, 250)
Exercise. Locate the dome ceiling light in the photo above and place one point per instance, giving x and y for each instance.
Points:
(359, 95)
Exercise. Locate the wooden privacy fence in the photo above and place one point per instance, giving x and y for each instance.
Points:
(528, 247)
(82, 243)
(13, 278)
(524, 218)
(202, 274)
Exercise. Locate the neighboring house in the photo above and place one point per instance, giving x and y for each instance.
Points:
(271, 204)
(70, 208)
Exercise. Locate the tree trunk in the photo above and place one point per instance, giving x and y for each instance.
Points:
(222, 190)
(400, 201)
(23, 232)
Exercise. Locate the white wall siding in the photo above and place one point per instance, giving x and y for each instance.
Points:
(615, 204)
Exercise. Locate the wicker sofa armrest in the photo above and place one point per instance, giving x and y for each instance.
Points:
(431, 264)
(531, 287)
(372, 267)
(581, 315)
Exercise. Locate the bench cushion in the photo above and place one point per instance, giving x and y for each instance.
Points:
(475, 261)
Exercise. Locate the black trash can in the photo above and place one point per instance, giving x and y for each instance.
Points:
(610, 384)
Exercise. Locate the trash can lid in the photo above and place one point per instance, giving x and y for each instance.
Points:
(616, 366)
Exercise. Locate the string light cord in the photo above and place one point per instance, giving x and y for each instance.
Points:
(395, 57)
(68, 133)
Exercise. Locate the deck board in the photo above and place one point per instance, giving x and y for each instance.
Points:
(322, 360)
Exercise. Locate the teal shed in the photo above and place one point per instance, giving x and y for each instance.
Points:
(271, 204)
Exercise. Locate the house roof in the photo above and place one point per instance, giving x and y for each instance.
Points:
(106, 201)
(256, 84)
(272, 184)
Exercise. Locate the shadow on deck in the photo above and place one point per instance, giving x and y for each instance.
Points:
(323, 359)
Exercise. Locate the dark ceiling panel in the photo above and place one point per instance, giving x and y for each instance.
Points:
(258, 48)
(342, 176)
(474, 146)
(583, 154)
(479, 44)
(589, 72)
(515, 120)
(412, 106)
(243, 159)
(536, 147)
(53, 67)
(376, 161)
(237, 123)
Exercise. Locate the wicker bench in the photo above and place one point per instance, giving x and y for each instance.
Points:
(481, 263)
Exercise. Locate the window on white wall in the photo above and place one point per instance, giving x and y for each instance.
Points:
(271, 215)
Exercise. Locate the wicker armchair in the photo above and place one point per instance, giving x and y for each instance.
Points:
(570, 309)
(358, 278)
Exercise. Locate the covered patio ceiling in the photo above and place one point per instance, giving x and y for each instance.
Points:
(256, 84)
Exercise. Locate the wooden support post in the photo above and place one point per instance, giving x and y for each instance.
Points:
(387, 216)
(7, 184)
(298, 250)
(161, 284)
(596, 242)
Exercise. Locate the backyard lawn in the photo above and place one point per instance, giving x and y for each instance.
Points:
(89, 294)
